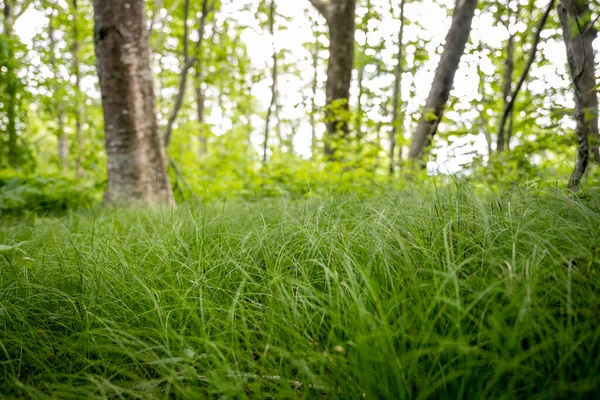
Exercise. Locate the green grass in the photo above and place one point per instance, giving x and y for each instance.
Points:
(402, 295)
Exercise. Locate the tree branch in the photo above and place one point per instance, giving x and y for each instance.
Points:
(188, 62)
(155, 14)
(179, 175)
(24, 8)
(162, 31)
(509, 107)
(321, 6)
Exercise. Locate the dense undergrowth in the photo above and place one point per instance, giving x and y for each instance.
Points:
(449, 293)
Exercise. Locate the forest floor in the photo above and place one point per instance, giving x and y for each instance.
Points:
(450, 293)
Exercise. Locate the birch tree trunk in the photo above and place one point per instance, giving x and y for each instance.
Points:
(136, 166)
(456, 40)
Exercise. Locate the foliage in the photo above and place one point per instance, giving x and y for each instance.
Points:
(22, 194)
(14, 152)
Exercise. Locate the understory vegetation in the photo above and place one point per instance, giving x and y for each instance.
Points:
(448, 292)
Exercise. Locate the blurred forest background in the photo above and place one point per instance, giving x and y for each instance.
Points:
(259, 98)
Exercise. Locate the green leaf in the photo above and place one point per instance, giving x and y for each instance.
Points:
(7, 249)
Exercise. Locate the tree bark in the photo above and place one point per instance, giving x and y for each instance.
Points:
(397, 97)
(583, 149)
(136, 163)
(456, 40)
(582, 38)
(340, 19)
(78, 93)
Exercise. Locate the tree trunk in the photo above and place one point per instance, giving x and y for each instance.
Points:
(63, 145)
(483, 121)
(200, 97)
(508, 108)
(11, 88)
(185, 67)
(359, 105)
(78, 93)
(583, 149)
(582, 39)
(508, 77)
(313, 104)
(456, 40)
(274, 82)
(397, 97)
(340, 19)
(136, 166)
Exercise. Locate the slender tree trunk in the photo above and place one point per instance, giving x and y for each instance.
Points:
(200, 97)
(509, 131)
(11, 88)
(274, 81)
(278, 125)
(508, 109)
(359, 105)
(582, 39)
(583, 149)
(340, 19)
(78, 93)
(313, 104)
(456, 40)
(187, 64)
(136, 164)
(397, 98)
(482, 115)
(63, 145)
(249, 127)
(508, 77)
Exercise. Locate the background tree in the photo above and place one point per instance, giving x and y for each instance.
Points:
(444, 76)
(12, 86)
(582, 129)
(397, 98)
(582, 34)
(339, 15)
(136, 166)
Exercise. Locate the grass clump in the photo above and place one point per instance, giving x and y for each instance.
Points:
(404, 295)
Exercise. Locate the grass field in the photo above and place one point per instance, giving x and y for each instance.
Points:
(454, 293)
